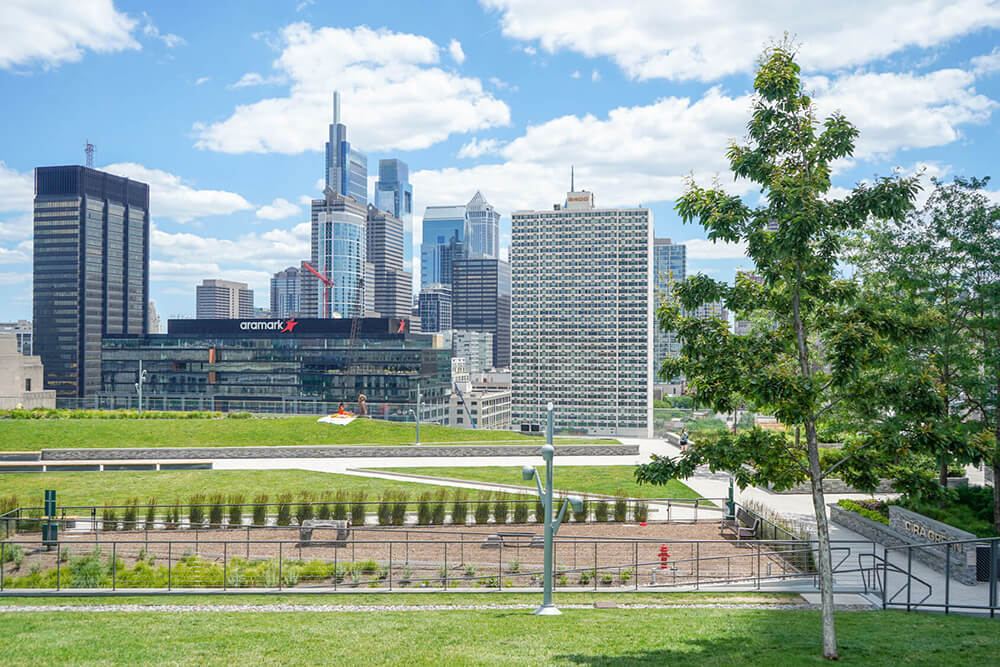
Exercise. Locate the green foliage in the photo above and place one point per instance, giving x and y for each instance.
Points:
(580, 516)
(216, 509)
(600, 511)
(459, 507)
(501, 509)
(607, 578)
(424, 510)
(260, 510)
(481, 510)
(853, 506)
(685, 402)
(130, 514)
(340, 506)
(236, 502)
(109, 521)
(13, 552)
(399, 508)
(196, 510)
(539, 511)
(358, 508)
(439, 507)
(323, 511)
(284, 509)
(304, 510)
(966, 508)
(50, 413)
(521, 509)
(621, 507)
(640, 511)
(150, 512)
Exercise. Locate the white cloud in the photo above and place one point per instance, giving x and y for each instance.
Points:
(149, 29)
(530, 50)
(394, 96)
(15, 278)
(456, 52)
(903, 111)
(16, 189)
(52, 32)
(8, 256)
(575, 74)
(17, 228)
(305, 200)
(476, 148)
(278, 209)
(170, 198)
(654, 39)
(595, 76)
(705, 249)
(255, 79)
(988, 63)
(202, 79)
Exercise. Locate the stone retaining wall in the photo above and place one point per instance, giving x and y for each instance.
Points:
(963, 556)
(330, 451)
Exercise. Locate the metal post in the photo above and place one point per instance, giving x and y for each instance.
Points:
(280, 544)
(993, 574)
(446, 565)
(697, 565)
(3, 561)
(947, 577)
(390, 565)
(225, 554)
(169, 544)
(635, 563)
(758, 566)
(114, 565)
(57, 565)
(500, 567)
(595, 566)
(909, 575)
(885, 576)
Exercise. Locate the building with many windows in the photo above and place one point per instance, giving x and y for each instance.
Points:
(346, 168)
(669, 268)
(434, 308)
(392, 287)
(21, 378)
(338, 253)
(581, 323)
(484, 228)
(22, 333)
(444, 230)
(480, 301)
(91, 271)
(394, 193)
(294, 365)
(286, 293)
(223, 299)
(476, 347)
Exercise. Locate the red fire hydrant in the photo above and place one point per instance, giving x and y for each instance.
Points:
(664, 556)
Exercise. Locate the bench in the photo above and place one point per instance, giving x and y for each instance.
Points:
(743, 526)
(309, 525)
(495, 540)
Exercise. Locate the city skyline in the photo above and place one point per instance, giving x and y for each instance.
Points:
(499, 101)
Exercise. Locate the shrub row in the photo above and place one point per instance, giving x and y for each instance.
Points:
(864, 510)
(51, 413)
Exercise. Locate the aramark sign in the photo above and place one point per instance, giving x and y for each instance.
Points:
(281, 326)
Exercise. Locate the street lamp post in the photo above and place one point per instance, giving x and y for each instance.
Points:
(551, 527)
(138, 385)
(416, 415)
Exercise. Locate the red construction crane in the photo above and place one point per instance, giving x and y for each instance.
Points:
(327, 282)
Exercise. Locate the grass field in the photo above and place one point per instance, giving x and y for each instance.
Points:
(98, 488)
(492, 637)
(36, 434)
(584, 479)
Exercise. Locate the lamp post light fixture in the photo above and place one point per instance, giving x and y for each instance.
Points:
(551, 527)
(416, 414)
(138, 385)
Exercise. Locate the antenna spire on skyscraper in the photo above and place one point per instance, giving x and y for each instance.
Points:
(89, 150)
(572, 180)
(336, 107)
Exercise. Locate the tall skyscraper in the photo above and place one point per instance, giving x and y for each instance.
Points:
(480, 301)
(308, 292)
(223, 300)
(339, 255)
(669, 268)
(484, 228)
(581, 322)
(392, 287)
(154, 319)
(444, 233)
(285, 293)
(393, 193)
(91, 270)
(346, 168)
(434, 307)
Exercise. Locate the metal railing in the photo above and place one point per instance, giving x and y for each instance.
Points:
(387, 559)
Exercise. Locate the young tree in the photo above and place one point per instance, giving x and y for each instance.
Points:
(823, 347)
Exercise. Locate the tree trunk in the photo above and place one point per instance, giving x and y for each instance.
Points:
(943, 472)
(996, 495)
(823, 534)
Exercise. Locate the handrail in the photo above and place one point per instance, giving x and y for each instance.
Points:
(891, 567)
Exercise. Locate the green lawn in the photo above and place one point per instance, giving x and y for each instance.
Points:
(36, 434)
(583, 479)
(493, 637)
(90, 488)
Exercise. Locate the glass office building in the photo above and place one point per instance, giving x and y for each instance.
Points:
(393, 193)
(484, 228)
(346, 168)
(444, 233)
(285, 293)
(267, 363)
(339, 254)
(480, 301)
(91, 271)
(669, 268)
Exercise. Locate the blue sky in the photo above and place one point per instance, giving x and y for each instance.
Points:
(222, 108)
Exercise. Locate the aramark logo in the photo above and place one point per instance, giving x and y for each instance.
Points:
(281, 326)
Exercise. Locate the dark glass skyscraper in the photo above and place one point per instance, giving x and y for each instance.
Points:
(480, 301)
(91, 270)
(393, 193)
(444, 233)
